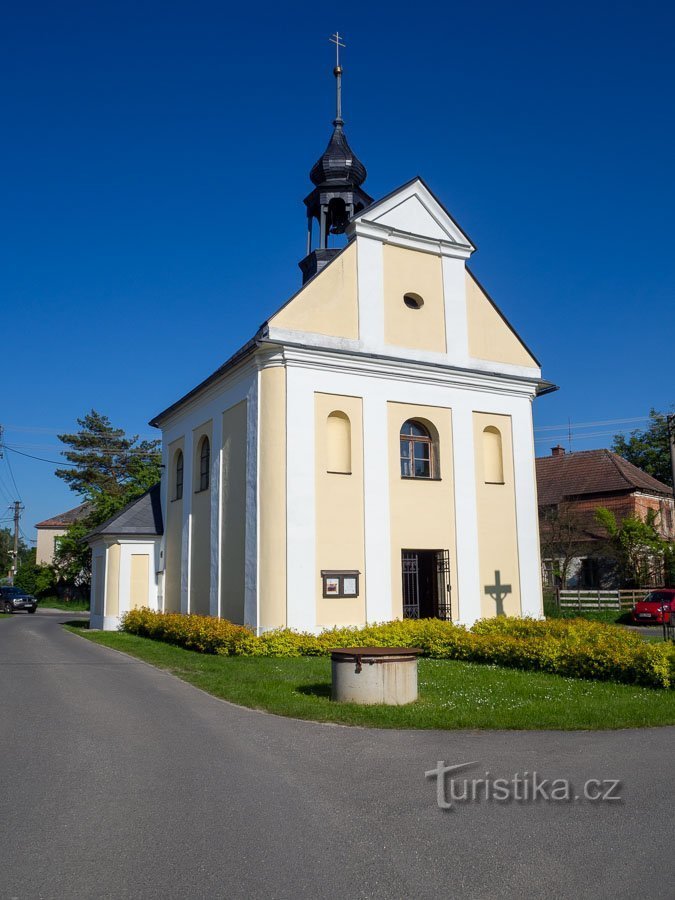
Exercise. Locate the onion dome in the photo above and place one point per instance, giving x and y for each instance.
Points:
(338, 164)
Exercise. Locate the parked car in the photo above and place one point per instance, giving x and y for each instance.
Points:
(13, 598)
(650, 610)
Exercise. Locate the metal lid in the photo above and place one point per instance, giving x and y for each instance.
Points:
(352, 652)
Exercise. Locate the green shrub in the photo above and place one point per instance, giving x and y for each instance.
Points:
(573, 647)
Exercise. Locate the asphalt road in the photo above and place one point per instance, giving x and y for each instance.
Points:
(120, 781)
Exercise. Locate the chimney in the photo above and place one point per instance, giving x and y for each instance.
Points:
(558, 451)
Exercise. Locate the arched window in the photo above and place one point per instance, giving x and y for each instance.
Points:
(178, 485)
(338, 444)
(417, 451)
(493, 461)
(204, 463)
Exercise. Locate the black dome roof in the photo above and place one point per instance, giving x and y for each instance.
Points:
(338, 165)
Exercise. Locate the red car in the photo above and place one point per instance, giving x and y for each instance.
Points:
(651, 610)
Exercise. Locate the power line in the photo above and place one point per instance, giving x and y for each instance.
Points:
(565, 425)
(40, 458)
(9, 466)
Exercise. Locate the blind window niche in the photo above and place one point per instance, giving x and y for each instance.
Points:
(338, 444)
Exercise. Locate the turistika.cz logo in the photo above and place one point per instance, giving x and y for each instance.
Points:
(528, 787)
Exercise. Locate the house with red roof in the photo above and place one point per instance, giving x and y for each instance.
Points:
(49, 531)
(571, 487)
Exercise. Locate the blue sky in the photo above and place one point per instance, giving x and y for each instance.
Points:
(156, 155)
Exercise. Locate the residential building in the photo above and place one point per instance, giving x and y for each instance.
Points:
(570, 488)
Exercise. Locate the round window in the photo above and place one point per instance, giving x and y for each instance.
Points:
(413, 301)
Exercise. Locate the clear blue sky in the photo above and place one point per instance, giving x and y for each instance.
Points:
(155, 157)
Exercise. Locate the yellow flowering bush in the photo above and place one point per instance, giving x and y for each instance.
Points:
(571, 647)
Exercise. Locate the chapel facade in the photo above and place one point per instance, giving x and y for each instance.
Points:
(367, 456)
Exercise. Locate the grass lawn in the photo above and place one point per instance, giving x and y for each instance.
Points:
(72, 605)
(452, 694)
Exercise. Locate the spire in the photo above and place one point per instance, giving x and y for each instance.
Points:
(337, 175)
(337, 71)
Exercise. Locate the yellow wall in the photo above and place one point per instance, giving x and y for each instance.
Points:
(173, 529)
(46, 544)
(233, 547)
(328, 304)
(200, 566)
(272, 498)
(140, 573)
(339, 513)
(410, 271)
(112, 569)
(497, 536)
(489, 335)
(422, 511)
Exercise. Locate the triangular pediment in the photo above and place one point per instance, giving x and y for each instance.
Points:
(413, 210)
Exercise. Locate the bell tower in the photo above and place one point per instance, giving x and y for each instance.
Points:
(337, 176)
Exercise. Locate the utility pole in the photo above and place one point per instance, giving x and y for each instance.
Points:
(671, 438)
(17, 516)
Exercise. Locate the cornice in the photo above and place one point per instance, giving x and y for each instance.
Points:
(386, 234)
(400, 370)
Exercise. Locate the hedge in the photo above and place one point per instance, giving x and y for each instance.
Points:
(572, 647)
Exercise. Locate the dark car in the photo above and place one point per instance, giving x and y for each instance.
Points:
(13, 598)
(652, 608)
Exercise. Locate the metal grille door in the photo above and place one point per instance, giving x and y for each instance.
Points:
(411, 585)
(442, 566)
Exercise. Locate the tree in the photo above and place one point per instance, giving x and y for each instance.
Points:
(636, 546)
(108, 469)
(7, 550)
(35, 578)
(562, 538)
(106, 463)
(649, 450)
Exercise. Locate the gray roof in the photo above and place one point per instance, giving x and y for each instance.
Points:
(142, 517)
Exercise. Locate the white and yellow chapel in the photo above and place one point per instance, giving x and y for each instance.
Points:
(368, 455)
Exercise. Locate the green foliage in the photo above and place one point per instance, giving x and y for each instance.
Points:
(575, 648)
(669, 565)
(7, 550)
(110, 470)
(36, 579)
(636, 546)
(106, 462)
(649, 450)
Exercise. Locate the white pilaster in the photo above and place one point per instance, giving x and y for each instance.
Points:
(186, 555)
(216, 507)
(251, 617)
(376, 505)
(468, 570)
(456, 324)
(527, 519)
(301, 501)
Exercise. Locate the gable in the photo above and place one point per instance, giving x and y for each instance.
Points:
(328, 303)
(412, 216)
(421, 274)
(490, 335)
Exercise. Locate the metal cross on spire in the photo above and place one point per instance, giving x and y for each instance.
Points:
(337, 71)
(337, 40)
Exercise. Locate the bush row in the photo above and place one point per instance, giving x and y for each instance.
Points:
(576, 647)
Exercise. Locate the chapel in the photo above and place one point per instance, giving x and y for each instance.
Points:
(368, 455)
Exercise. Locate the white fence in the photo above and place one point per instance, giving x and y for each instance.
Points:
(568, 599)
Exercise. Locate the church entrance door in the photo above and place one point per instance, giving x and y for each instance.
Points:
(426, 584)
